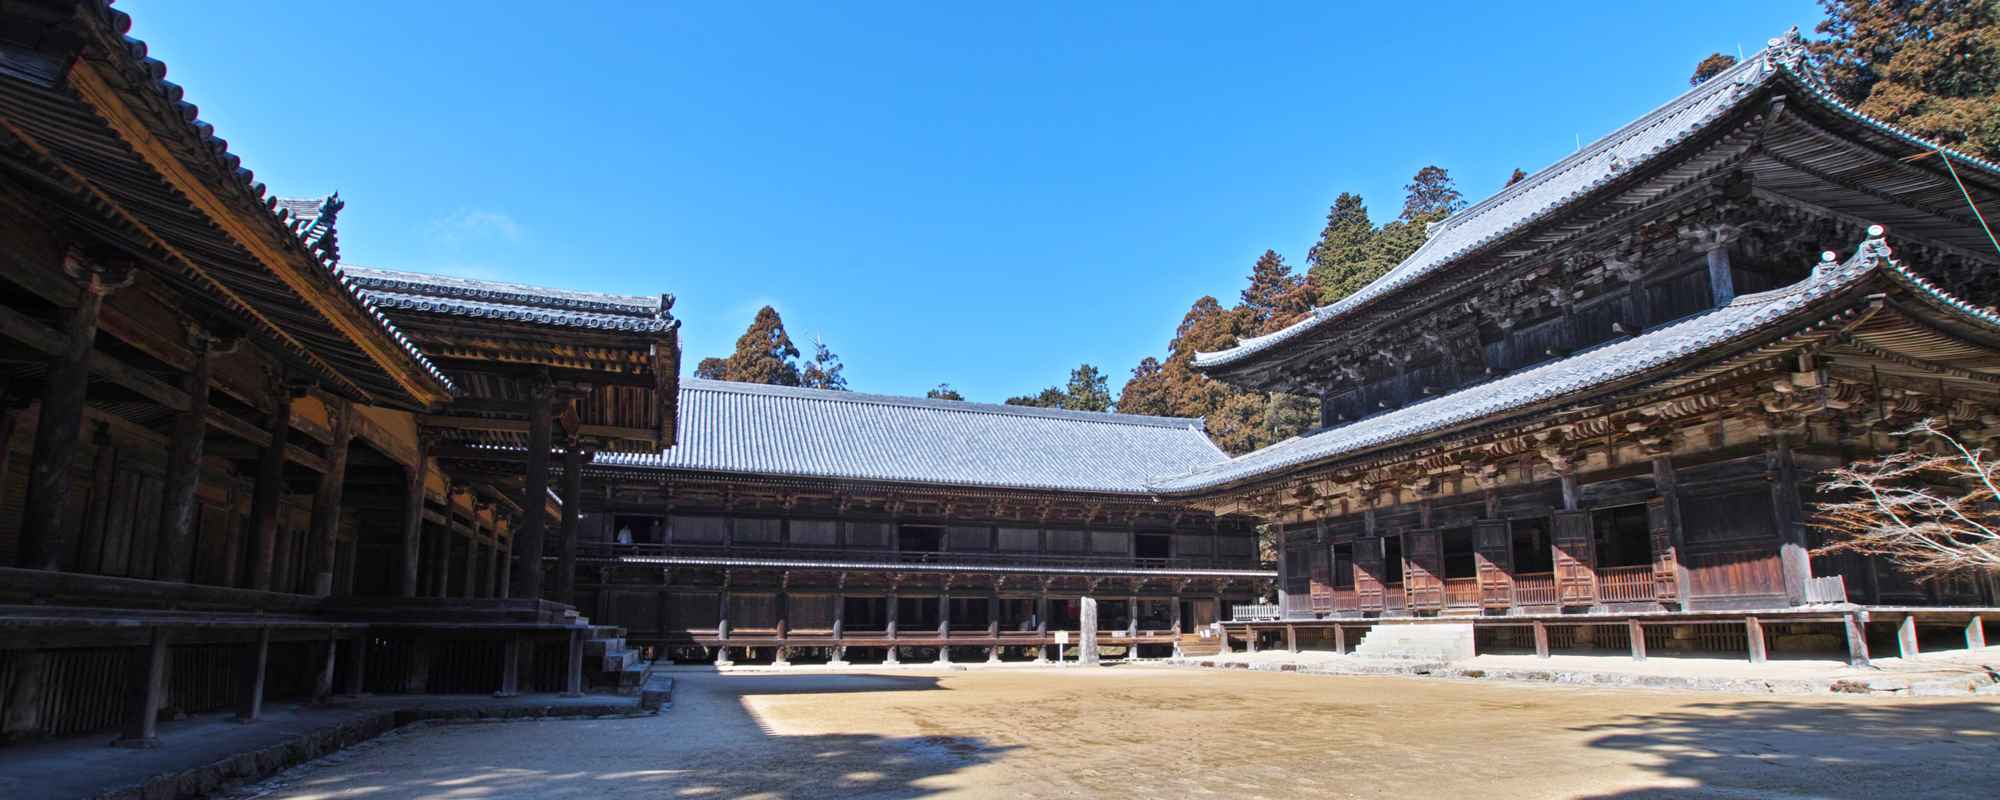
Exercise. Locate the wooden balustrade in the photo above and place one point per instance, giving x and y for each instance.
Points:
(1625, 584)
(1346, 601)
(1462, 593)
(1535, 589)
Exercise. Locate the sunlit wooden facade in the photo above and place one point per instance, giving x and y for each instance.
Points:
(229, 470)
(1601, 398)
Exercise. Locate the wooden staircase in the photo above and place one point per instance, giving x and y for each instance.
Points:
(609, 664)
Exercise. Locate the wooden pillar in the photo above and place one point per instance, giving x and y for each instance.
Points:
(1906, 636)
(440, 559)
(1667, 482)
(510, 668)
(413, 515)
(993, 627)
(1637, 634)
(1541, 639)
(534, 493)
(323, 679)
(250, 706)
(506, 560)
(1572, 495)
(1339, 640)
(493, 569)
(1787, 509)
(1856, 626)
(469, 589)
(1754, 632)
(61, 415)
(1041, 623)
(573, 674)
(177, 499)
(1292, 639)
(722, 627)
(784, 604)
(357, 665)
(325, 532)
(1721, 282)
(1975, 633)
(103, 470)
(144, 695)
(572, 507)
(270, 490)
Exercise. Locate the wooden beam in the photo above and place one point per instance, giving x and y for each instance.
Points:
(294, 269)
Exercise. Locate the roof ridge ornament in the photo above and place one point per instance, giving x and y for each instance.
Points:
(1786, 50)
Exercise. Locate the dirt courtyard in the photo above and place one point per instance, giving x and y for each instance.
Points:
(1163, 733)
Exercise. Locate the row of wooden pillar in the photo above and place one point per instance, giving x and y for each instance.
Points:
(146, 691)
(57, 440)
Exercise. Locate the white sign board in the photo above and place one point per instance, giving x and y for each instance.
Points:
(1062, 637)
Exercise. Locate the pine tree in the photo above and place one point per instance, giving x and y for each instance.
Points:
(823, 371)
(1715, 64)
(1335, 262)
(944, 392)
(1431, 196)
(1087, 390)
(1929, 66)
(764, 354)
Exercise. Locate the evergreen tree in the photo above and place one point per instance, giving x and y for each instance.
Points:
(1715, 64)
(823, 371)
(764, 354)
(1929, 66)
(1146, 391)
(1051, 397)
(944, 392)
(1087, 390)
(1274, 294)
(1335, 263)
(1431, 196)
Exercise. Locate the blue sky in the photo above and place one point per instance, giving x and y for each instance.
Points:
(980, 196)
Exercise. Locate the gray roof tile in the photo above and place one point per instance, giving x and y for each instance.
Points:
(1549, 190)
(1570, 377)
(445, 294)
(809, 433)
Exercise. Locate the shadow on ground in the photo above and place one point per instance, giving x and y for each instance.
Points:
(709, 745)
(1765, 748)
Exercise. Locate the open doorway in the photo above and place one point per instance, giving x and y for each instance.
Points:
(1622, 536)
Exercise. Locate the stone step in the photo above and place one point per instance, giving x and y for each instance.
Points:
(1436, 642)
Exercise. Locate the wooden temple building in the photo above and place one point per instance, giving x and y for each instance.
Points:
(792, 524)
(1591, 410)
(233, 471)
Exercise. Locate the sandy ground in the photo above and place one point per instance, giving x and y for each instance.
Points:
(1157, 732)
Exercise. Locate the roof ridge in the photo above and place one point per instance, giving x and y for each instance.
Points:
(961, 406)
(381, 278)
(1759, 67)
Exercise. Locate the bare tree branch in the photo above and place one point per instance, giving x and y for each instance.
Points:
(1933, 509)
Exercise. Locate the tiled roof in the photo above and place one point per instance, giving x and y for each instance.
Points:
(313, 218)
(775, 431)
(444, 294)
(45, 108)
(1714, 331)
(1556, 187)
